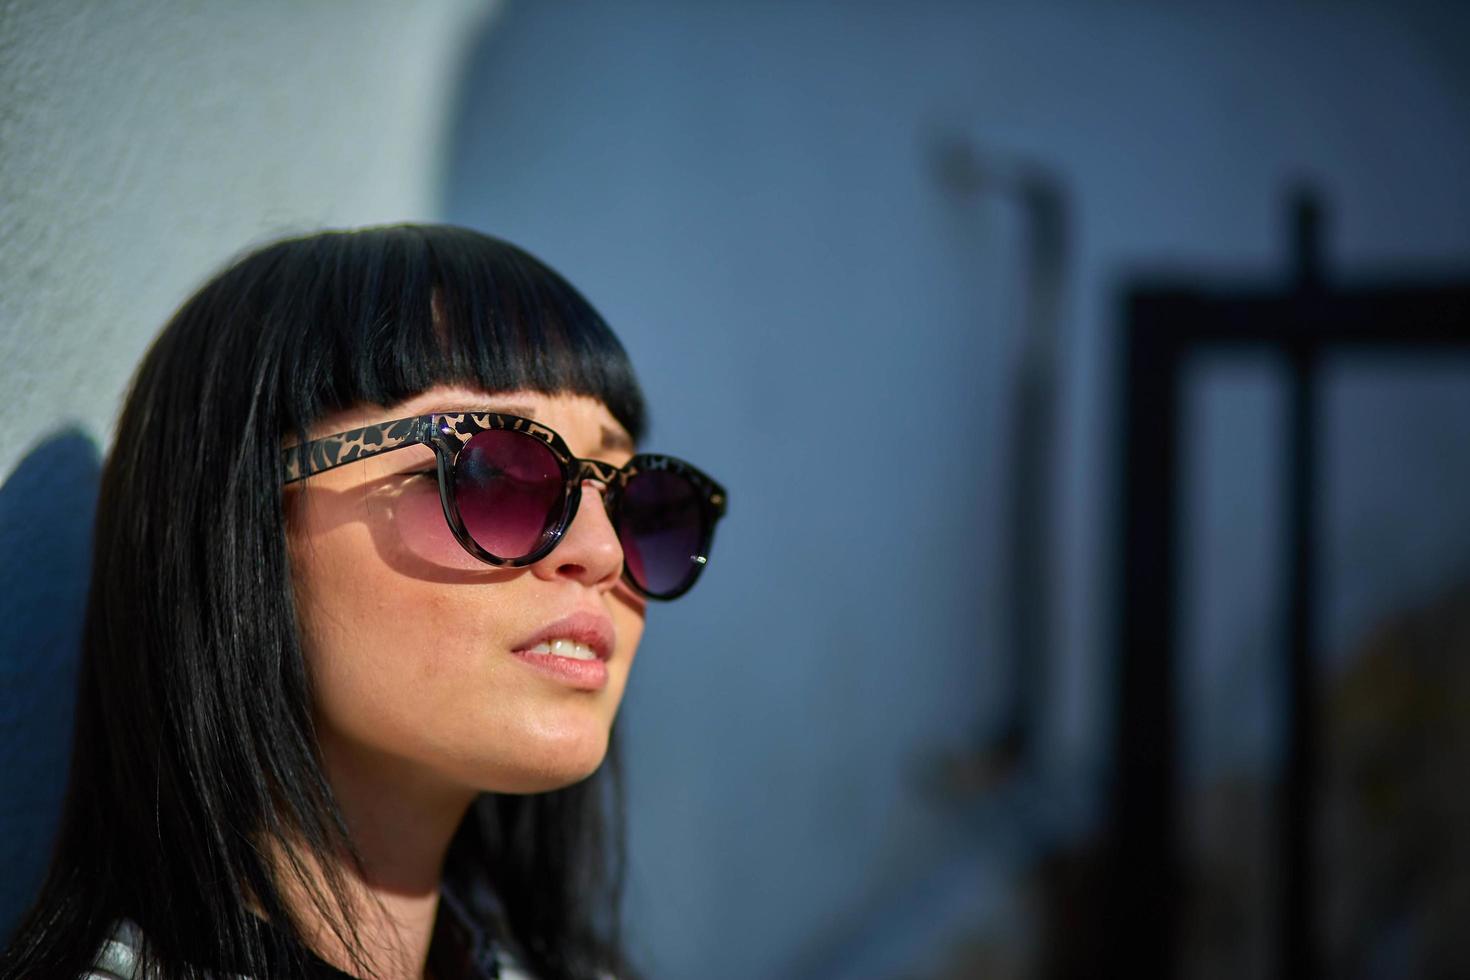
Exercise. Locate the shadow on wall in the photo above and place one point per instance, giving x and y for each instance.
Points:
(46, 511)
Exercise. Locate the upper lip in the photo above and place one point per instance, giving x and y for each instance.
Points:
(591, 629)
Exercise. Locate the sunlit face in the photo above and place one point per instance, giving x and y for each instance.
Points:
(422, 657)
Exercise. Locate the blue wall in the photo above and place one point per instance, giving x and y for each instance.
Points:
(747, 192)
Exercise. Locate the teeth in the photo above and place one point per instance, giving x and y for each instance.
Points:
(565, 648)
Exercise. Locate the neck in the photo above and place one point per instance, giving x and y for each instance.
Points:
(402, 824)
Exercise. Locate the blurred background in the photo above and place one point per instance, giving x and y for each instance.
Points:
(1091, 380)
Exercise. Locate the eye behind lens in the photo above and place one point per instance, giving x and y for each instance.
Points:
(663, 528)
(510, 491)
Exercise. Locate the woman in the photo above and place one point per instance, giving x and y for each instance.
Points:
(372, 558)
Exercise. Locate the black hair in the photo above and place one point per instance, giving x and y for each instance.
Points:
(194, 733)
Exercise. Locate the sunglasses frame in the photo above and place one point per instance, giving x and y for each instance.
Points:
(447, 433)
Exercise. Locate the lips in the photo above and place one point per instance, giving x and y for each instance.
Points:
(592, 630)
(560, 650)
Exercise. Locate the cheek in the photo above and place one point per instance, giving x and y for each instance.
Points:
(372, 626)
(416, 670)
(355, 611)
(413, 525)
(401, 672)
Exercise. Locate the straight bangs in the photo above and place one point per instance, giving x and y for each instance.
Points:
(378, 315)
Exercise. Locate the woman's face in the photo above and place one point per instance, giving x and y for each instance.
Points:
(423, 659)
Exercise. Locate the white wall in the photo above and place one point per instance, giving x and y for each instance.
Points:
(142, 144)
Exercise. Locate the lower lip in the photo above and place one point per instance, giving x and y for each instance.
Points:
(586, 675)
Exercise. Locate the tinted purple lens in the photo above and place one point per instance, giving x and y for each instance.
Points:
(509, 489)
(661, 527)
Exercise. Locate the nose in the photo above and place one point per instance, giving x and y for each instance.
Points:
(589, 552)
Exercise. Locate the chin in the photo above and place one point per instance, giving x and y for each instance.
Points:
(551, 763)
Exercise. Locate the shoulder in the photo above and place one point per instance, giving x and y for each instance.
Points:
(512, 968)
(120, 955)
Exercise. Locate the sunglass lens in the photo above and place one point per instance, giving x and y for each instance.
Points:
(661, 526)
(509, 488)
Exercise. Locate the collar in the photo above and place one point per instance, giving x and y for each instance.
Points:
(465, 943)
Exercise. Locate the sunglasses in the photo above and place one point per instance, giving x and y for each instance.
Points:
(510, 488)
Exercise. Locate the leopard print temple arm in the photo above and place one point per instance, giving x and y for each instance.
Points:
(344, 447)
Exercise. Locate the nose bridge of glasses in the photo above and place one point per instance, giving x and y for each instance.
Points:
(597, 471)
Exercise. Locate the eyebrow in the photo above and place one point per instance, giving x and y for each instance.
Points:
(612, 439)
